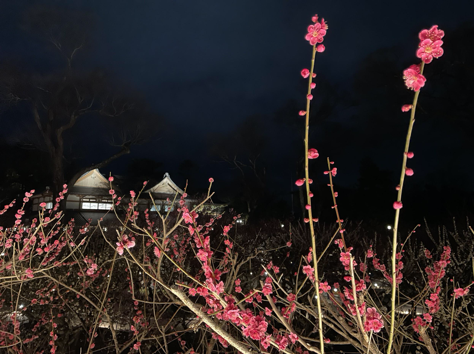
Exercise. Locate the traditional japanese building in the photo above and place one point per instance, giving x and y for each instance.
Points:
(89, 198)
(90, 192)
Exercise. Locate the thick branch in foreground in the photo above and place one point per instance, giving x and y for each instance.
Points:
(207, 320)
(125, 150)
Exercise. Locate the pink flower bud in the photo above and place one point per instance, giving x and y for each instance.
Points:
(211, 180)
(302, 113)
(111, 179)
(409, 172)
(311, 194)
(305, 73)
(306, 220)
(410, 155)
(300, 182)
(308, 206)
(397, 187)
(314, 75)
(313, 85)
(309, 97)
(315, 219)
(397, 205)
(406, 107)
(313, 154)
(320, 48)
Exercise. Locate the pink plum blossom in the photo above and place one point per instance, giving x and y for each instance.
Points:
(413, 78)
(429, 49)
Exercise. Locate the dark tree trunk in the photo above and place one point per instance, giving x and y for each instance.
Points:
(58, 173)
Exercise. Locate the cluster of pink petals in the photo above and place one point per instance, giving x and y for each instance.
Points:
(125, 243)
(373, 321)
(189, 217)
(429, 49)
(157, 252)
(293, 337)
(317, 31)
(256, 328)
(309, 271)
(419, 322)
(434, 34)
(92, 269)
(29, 273)
(460, 292)
(345, 259)
(324, 287)
(438, 271)
(433, 302)
(267, 287)
(414, 80)
(282, 342)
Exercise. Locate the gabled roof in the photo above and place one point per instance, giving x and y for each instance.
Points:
(92, 179)
(166, 186)
(91, 183)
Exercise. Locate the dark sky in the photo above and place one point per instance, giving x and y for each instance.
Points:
(207, 65)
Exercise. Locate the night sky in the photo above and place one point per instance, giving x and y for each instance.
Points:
(206, 66)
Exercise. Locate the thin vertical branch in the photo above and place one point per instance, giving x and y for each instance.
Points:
(308, 198)
(397, 217)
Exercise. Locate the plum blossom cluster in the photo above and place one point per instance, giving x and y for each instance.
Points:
(420, 323)
(430, 44)
(316, 33)
(460, 292)
(125, 243)
(373, 320)
(435, 274)
(428, 48)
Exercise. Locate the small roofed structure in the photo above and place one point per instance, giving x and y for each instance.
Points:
(165, 188)
(163, 194)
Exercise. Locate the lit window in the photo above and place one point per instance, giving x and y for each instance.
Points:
(93, 204)
(158, 207)
(169, 208)
(90, 205)
(49, 205)
(105, 206)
